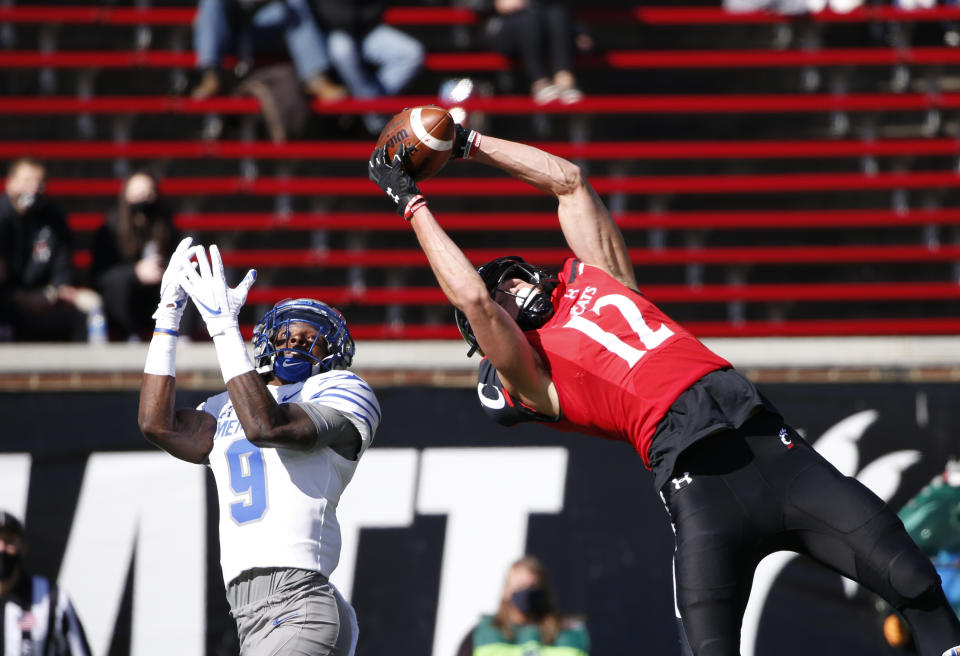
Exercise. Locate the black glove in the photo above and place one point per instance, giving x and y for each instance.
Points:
(395, 182)
(465, 143)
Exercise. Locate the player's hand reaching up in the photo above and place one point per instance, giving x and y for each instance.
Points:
(394, 181)
(173, 299)
(219, 304)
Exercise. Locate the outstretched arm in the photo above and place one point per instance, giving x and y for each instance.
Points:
(499, 336)
(185, 433)
(586, 224)
(502, 341)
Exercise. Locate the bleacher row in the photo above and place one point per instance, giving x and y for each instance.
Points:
(773, 175)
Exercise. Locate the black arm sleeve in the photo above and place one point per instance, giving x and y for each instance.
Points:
(498, 404)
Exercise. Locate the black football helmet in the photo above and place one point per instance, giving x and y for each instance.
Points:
(331, 328)
(535, 309)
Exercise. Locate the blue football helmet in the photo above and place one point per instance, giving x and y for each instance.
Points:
(337, 346)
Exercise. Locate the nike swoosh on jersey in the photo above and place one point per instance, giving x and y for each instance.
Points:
(287, 398)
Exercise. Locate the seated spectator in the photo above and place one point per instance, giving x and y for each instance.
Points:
(528, 618)
(38, 300)
(239, 25)
(372, 58)
(130, 252)
(540, 33)
(932, 518)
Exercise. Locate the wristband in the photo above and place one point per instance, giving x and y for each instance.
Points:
(162, 355)
(232, 353)
(168, 315)
(472, 144)
(413, 205)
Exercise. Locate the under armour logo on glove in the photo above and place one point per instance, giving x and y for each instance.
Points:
(388, 174)
(682, 482)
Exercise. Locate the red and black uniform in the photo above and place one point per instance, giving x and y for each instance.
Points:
(625, 371)
(619, 364)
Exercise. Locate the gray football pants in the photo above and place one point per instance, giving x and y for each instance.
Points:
(292, 612)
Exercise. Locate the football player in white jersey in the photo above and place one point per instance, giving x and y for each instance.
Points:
(283, 442)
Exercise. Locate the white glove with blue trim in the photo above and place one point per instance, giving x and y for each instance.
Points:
(173, 299)
(219, 304)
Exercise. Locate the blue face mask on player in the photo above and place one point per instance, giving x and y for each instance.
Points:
(296, 363)
(292, 368)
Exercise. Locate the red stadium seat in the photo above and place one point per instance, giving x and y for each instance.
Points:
(786, 103)
(592, 150)
(460, 187)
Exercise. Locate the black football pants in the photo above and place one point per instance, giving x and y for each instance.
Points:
(738, 496)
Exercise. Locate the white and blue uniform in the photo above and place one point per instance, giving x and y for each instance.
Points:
(279, 535)
(278, 506)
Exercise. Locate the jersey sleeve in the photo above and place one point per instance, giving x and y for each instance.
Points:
(497, 402)
(214, 404)
(347, 393)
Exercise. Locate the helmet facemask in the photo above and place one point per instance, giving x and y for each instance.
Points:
(535, 303)
(297, 363)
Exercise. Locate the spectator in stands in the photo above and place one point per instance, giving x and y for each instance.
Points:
(243, 24)
(373, 59)
(42, 614)
(528, 618)
(932, 518)
(130, 253)
(38, 300)
(540, 33)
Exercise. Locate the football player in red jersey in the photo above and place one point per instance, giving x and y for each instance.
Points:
(584, 350)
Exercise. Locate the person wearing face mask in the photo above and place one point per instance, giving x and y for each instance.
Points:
(38, 616)
(528, 622)
(38, 298)
(130, 252)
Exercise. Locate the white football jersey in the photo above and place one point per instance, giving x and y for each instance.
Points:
(278, 507)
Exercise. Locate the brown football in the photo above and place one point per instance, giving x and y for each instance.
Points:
(428, 130)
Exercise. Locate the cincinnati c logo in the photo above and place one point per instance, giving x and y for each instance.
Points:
(787, 442)
(491, 396)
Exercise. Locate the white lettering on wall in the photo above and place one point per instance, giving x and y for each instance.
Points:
(487, 495)
(14, 482)
(155, 504)
(379, 496)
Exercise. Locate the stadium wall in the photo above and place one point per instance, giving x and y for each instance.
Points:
(445, 500)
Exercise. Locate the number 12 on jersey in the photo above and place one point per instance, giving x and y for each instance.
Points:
(650, 339)
(248, 480)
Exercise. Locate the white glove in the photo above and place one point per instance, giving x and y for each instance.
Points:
(173, 299)
(218, 304)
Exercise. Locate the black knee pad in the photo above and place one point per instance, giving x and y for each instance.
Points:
(912, 576)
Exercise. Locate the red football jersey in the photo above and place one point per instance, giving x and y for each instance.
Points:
(617, 361)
